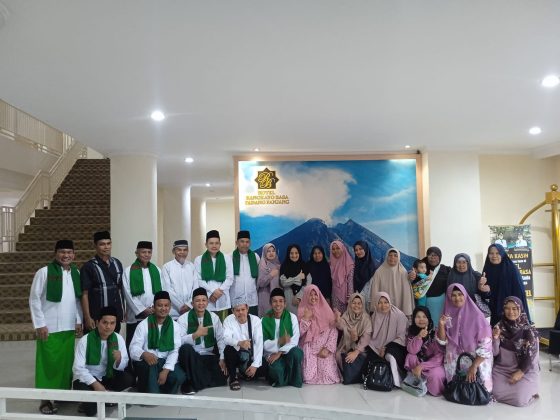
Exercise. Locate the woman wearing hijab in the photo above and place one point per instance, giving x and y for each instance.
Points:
(463, 328)
(388, 338)
(425, 354)
(342, 273)
(503, 280)
(317, 338)
(355, 325)
(364, 269)
(294, 276)
(391, 277)
(434, 288)
(515, 344)
(269, 277)
(320, 271)
(463, 273)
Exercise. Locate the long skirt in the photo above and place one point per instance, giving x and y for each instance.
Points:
(286, 370)
(53, 361)
(201, 371)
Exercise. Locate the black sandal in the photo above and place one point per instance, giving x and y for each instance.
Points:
(234, 385)
(47, 408)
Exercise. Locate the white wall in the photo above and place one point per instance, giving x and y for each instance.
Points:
(220, 215)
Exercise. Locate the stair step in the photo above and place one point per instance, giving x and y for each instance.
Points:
(76, 204)
(82, 196)
(15, 316)
(13, 280)
(39, 245)
(85, 211)
(106, 220)
(14, 290)
(30, 256)
(28, 267)
(66, 229)
(13, 302)
(17, 332)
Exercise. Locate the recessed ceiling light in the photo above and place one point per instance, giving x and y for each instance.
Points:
(535, 130)
(551, 80)
(407, 146)
(157, 116)
(256, 149)
(189, 160)
(208, 184)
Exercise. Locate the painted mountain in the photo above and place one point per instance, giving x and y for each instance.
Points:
(316, 232)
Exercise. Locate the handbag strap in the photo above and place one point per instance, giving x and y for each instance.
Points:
(458, 365)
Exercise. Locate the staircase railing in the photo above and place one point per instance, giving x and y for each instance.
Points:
(37, 195)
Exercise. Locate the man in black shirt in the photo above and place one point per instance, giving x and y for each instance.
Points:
(101, 282)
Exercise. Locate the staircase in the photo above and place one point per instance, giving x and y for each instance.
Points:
(80, 207)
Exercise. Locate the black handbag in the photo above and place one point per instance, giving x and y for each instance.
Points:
(378, 376)
(460, 391)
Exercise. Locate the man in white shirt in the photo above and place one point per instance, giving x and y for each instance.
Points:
(179, 279)
(202, 354)
(154, 350)
(141, 281)
(54, 302)
(100, 360)
(214, 272)
(244, 345)
(281, 337)
(245, 272)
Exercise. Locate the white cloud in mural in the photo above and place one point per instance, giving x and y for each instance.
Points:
(405, 218)
(313, 192)
(394, 197)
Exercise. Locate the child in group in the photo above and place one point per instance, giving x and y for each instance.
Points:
(420, 282)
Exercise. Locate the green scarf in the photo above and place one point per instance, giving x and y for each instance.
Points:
(164, 341)
(207, 268)
(192, 326)
(236, 257)
(54, 281)
(269, 325)
(137, 279)
(93, 350)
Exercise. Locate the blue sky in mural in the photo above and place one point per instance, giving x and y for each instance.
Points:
(378, 194)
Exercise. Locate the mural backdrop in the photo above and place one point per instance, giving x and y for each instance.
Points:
(311, 202)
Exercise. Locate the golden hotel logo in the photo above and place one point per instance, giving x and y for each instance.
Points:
(266, 179)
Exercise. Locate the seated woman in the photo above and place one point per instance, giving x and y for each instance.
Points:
(425, 354)
(355, 325)
(391, 277)
(294, 276)
(342, 273)
(503, 280)
(463, 328)
(463, 273)
(320, 271)
(388, 335)
(516, 356)
(269, 276)
(317, 338)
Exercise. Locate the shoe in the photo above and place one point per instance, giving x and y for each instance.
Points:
(187, 389)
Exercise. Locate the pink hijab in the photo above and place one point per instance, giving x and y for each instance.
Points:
(340, 267)
(468, 325)
(323, 316)
(387, 327)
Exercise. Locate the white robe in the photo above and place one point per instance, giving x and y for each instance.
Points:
(271, 346)
(180, 281)
(201, 348)
(234, 332)
(211, 285)
(244, 286)
(137, 304)
(139, 345)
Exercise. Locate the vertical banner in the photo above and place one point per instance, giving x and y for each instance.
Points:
(313, 202)
(516, 239)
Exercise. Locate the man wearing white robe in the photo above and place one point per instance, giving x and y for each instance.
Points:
(245, 272)
(179, 279)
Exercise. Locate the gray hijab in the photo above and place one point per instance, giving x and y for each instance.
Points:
(468, 279)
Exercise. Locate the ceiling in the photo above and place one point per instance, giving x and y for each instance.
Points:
(285, 76)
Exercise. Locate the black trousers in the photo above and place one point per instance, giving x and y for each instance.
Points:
(120, 380)
(201, 371)
(234, 362)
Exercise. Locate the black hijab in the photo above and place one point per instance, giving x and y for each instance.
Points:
(321, 273)
(364, 268)
(291, 268)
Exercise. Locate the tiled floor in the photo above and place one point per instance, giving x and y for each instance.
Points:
(17, 367)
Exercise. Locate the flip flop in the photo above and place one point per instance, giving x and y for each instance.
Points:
(47, 408)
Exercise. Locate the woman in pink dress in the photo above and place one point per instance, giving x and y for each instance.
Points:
(318, 336)
(342, 273)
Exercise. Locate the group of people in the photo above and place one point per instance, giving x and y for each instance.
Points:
(228, 318)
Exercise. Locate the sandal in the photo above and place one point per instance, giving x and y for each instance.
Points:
(47, 407)
(234, 385)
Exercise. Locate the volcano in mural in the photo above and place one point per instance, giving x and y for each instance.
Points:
(316, 232)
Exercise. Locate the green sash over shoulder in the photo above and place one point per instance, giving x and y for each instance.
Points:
(137, 279)
(236, 257)
(207, 271)
(269, 325)
(164, 341)
(93, 350)
(54, 281)
(192, 326)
